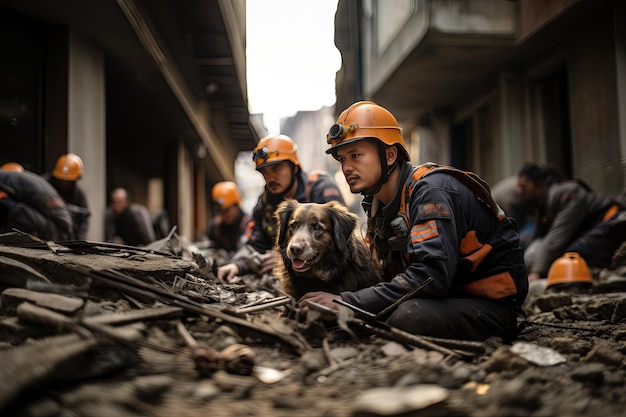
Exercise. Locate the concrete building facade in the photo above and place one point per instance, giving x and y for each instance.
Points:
(489, 84)
(151, 94)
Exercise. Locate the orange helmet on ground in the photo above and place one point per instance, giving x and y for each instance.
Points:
(69, 167)
(12, 166)
(273, 149)
(571, 268)
(363, 120)
(225, 194)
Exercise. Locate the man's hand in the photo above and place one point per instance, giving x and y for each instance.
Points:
(323, 298)
(269, 260)
(533, 276)
(227, 272)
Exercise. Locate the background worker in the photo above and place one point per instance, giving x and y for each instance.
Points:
(30, 204)
(428, 223)
(64, 178)
(126, 222)
(276, 159)
(570, 218)
(227, 229)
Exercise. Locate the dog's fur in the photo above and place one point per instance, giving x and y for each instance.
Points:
(320, 249)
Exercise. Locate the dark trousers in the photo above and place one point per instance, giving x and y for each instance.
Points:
(456, 318)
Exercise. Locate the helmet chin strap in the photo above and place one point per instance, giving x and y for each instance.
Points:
(386, 172)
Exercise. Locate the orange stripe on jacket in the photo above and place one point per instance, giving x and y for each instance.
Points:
(494, 287)
(612, 211)
(473, 250)
(248, 233)
(424, 231)
(469, 243)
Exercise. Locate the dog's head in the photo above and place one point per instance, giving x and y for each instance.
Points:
(307, 232)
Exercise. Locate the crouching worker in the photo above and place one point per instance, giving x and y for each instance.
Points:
(227, 230)
(424, 222)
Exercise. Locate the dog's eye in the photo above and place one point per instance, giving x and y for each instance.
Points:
(317, 227)
(293, 225)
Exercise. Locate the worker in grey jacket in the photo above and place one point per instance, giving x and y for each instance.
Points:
(572, 218)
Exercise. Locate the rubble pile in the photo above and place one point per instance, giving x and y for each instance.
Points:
(95, 329)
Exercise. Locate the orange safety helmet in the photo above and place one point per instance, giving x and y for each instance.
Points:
(362, 120)
(69, 167)
(12, 166)
(273, 149)
(571, 268)
(225, 194)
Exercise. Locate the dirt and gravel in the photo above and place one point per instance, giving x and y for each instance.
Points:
(95, 330)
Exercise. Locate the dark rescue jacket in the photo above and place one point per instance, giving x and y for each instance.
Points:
(33, 206)
(442, 223)
(316, 187)
(228, 236)
(76, 201)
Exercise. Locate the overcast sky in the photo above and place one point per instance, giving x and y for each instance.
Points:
(291, 57)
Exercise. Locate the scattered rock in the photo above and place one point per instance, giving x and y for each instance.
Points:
(12, 297)
(397, 401)
(569, 360)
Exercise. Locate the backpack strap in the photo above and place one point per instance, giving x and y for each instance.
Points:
(471, 180)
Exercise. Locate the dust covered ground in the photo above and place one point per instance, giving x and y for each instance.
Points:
(97, 330)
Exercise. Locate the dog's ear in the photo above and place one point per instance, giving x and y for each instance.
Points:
(343, 223)
(282, 215)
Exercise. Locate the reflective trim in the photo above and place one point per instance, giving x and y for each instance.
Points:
(424, 231)
(612, 211)
(493, 287)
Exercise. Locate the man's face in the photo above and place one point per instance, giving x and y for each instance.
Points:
(229, 214)
(360, 164)
(119, 202)
(529, 190)
(277, 177)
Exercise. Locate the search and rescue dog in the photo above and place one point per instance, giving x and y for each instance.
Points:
(320, 249)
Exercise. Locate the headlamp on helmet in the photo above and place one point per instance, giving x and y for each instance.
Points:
(261, 155)
(338, 132)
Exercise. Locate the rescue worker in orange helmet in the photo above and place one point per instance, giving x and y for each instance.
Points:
(428, 222)
(571, 218)
(227, 229)
(277, 160)
(64, 178)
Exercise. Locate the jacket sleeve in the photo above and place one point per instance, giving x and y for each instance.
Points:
(81, 198)
(432, 250)
(145, 231)
(259, 240)
(568, 206)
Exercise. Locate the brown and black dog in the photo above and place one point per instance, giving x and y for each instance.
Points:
(320, 249)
